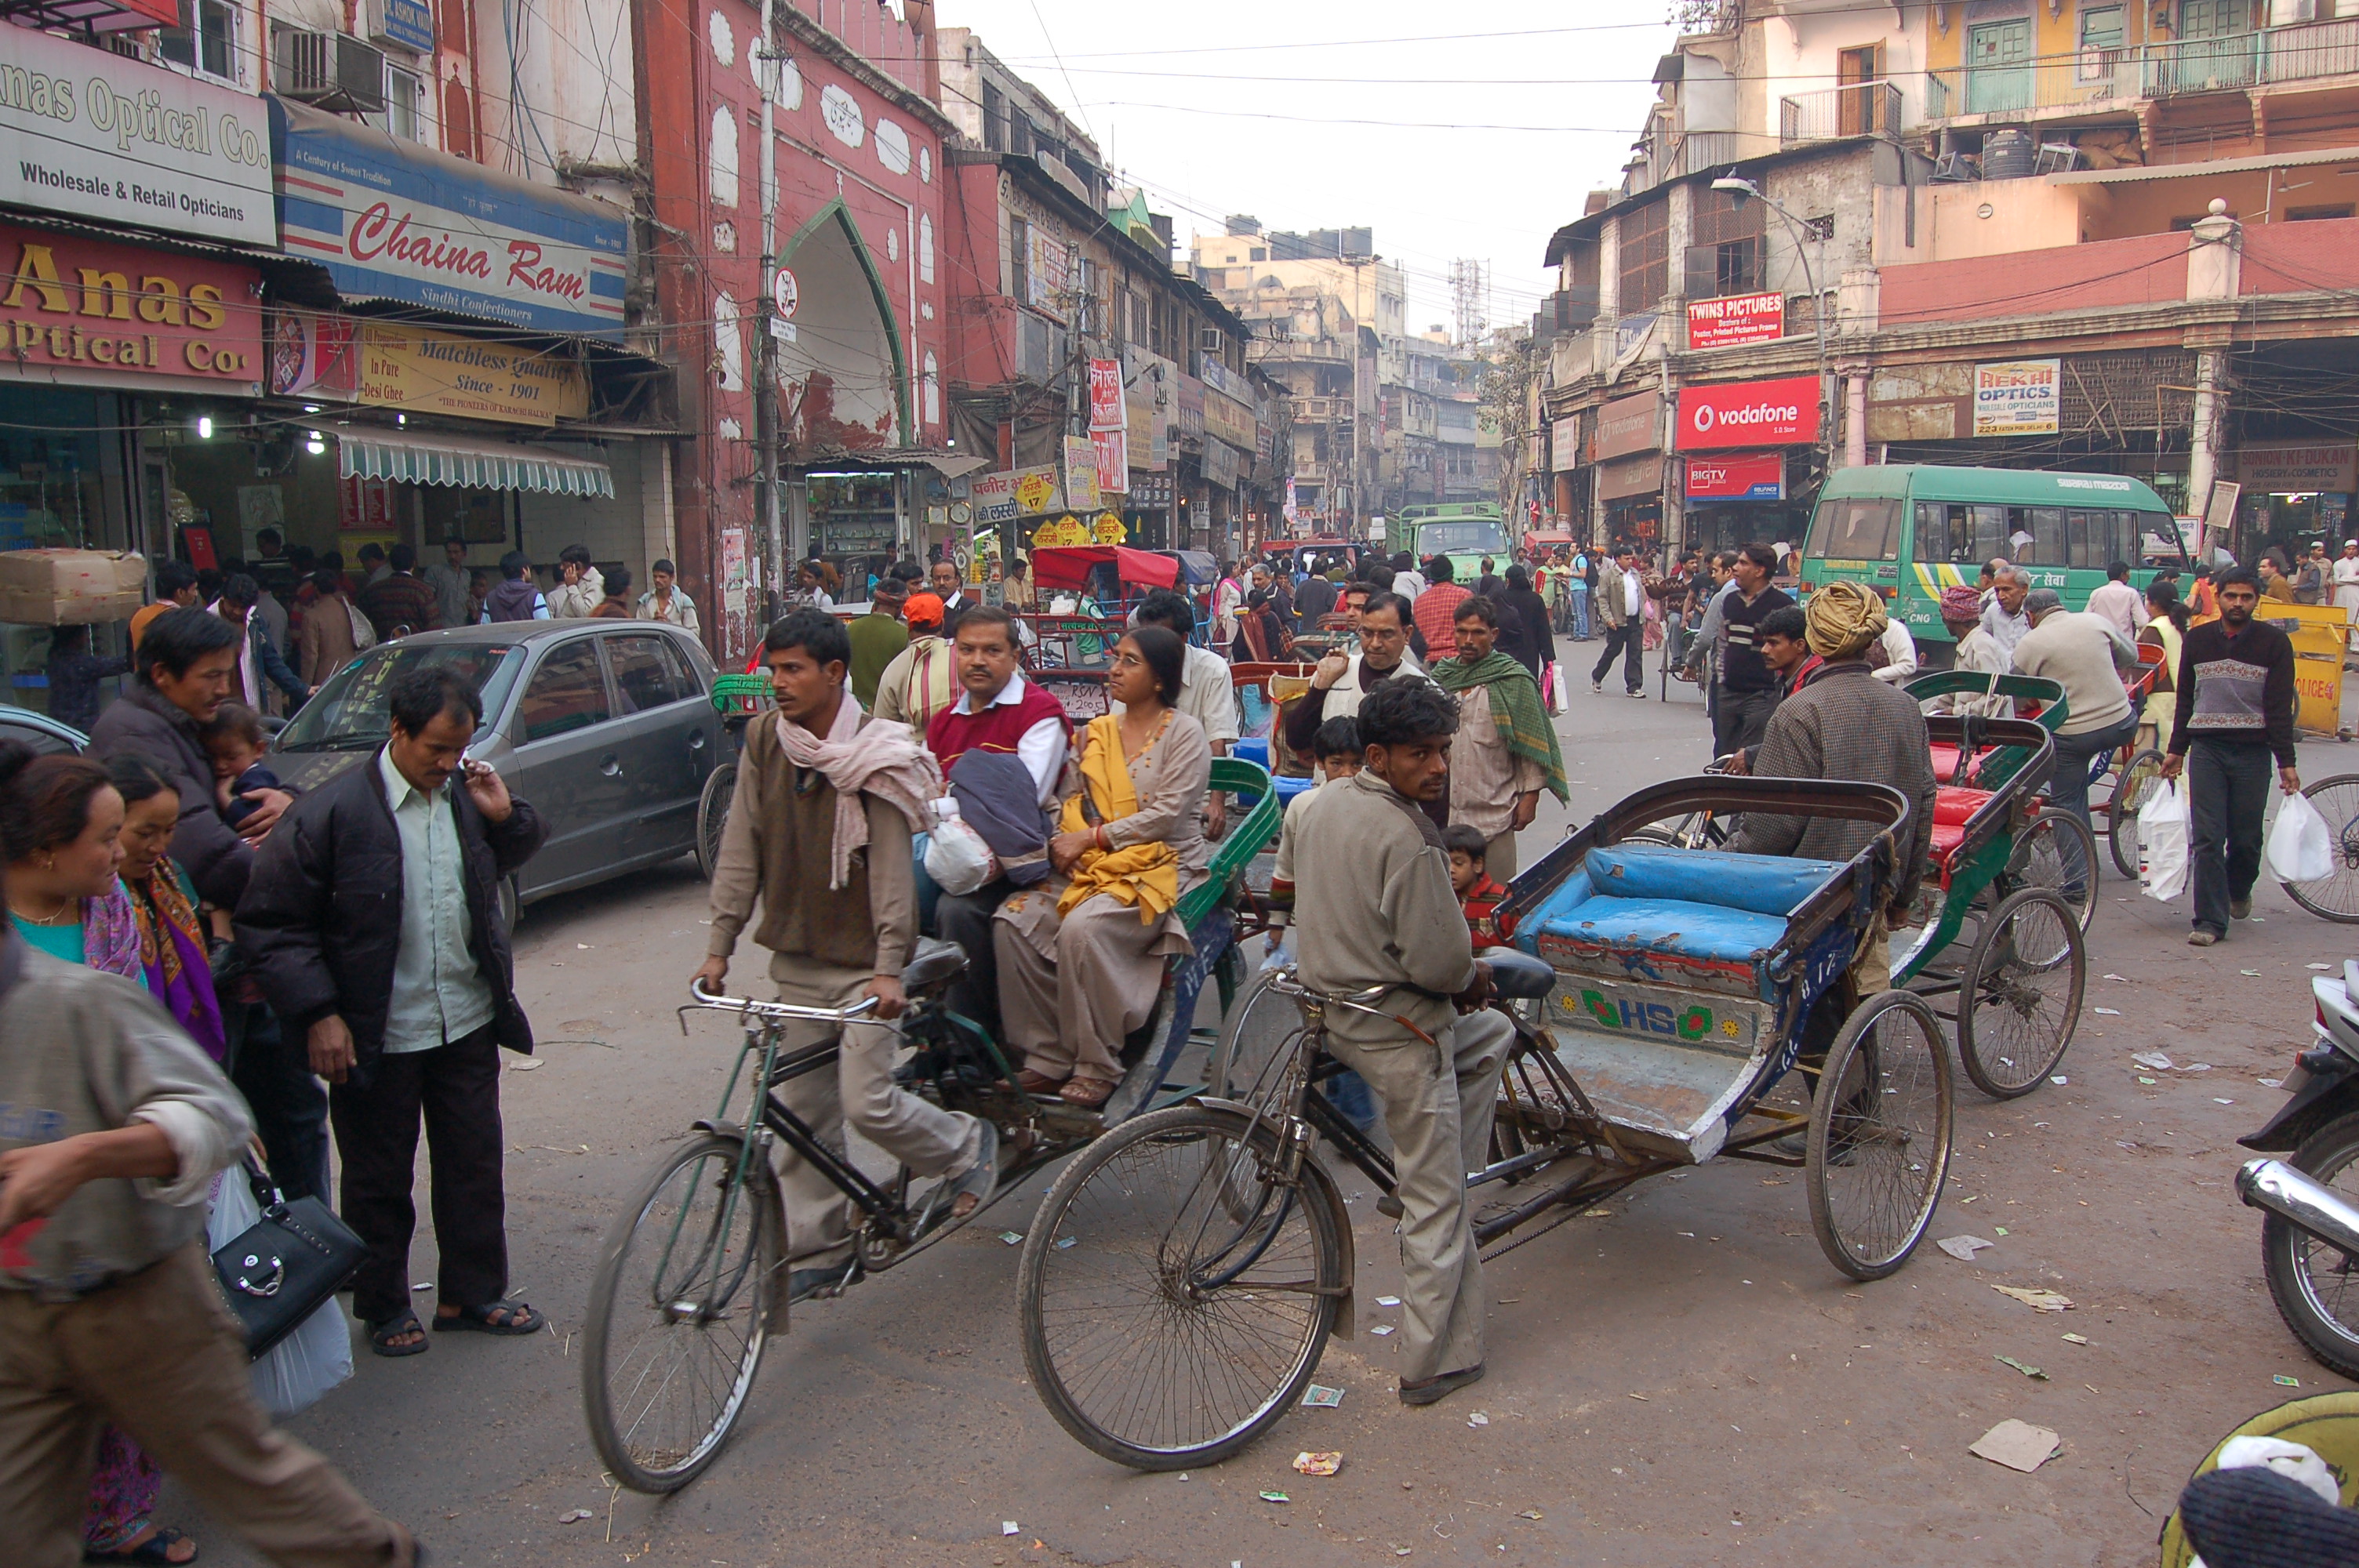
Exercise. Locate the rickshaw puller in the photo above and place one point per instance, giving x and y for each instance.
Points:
(1374, 907)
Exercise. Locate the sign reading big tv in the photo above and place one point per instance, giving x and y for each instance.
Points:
(119, 141)
(392, 220)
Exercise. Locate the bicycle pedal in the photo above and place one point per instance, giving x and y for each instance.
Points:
(1389, 1206)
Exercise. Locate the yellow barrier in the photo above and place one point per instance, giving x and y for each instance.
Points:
(2320, 635)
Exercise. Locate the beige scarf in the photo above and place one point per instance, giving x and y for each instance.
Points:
(883, 759)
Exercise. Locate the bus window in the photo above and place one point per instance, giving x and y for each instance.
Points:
(2035, 537)
(2077, 542)
(1860, 528)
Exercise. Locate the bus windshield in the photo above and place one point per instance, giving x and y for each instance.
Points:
(1461, 536)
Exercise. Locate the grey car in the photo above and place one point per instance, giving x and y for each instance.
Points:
(607, 727)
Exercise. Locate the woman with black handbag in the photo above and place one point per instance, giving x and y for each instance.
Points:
(109, 1317)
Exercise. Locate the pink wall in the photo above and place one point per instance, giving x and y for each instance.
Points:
(2298, 258)
(2150, 269)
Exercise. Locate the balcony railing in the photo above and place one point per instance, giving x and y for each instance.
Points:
(1866, 109)
(2307, 51)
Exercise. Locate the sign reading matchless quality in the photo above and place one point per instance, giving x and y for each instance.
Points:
(442, 373)
(119, 141)
(392, 220)
(1749, 414)
(2018, 397)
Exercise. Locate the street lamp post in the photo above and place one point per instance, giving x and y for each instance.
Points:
(1741, 190)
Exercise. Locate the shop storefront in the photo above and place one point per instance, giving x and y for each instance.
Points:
(2294, 494)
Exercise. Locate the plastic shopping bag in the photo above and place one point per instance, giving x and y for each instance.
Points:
(2162, 842)
(956, 857)
(2300, 848)
(303, 1368)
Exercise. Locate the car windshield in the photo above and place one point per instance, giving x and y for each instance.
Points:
(1472, 536)
(348, 713)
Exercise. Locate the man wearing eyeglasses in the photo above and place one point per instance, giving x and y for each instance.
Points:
(1341, 682)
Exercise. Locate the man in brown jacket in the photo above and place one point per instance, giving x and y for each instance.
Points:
(837, 918)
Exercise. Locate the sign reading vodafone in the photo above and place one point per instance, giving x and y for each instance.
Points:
(1749, 414)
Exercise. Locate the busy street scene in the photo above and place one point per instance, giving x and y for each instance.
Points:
(779, 786)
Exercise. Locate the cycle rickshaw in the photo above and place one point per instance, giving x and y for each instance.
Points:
(692, 1278)
(1671, 1005)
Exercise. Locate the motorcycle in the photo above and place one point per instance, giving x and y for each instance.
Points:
(2310, 1242)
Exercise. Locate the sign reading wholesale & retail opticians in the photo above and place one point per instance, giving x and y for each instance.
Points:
(392, 220)
(82, 311)
(1742, 476)
(1749, 414)
(1739, 318)
(119, 141)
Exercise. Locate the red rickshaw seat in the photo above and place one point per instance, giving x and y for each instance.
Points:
(1953, 807)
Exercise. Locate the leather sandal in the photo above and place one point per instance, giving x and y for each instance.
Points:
(1033, 1083)
(1089, 1094)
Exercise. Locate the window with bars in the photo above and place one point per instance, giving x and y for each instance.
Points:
(1645, 239)
(1019, 265)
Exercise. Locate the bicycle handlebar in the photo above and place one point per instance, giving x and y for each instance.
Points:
(780, 1011)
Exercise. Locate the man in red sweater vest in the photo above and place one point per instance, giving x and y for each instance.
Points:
(998, 711)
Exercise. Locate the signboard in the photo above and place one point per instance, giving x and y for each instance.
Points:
(1081, 472)
(2329, 467)
(733, 581)
(1920, 403)
(1107, 528)
(1064, 533)
(1149, 491)
(81, 310)
(1230, 420)
(408, 24)
(1112, 449)
(1744, 476)
(417, 370)
(1628, 425)
(785, 293)
(1749, 414)
(1224, 381)
(313, 355)
(1147, 406)
(1739, 318)
(1105, 395)
(116, 140)
(1564, 444)
(1044, 271)
(1639, 474)
(2018, 397)
(393, 219)
(1017, 492)
(1222, 464)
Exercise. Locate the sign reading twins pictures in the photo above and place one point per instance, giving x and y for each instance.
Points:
(116, 140)
(391, 219)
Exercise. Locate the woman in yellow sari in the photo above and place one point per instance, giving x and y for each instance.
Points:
(1081, 957)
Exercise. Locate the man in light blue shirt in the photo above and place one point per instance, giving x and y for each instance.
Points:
(439, 993)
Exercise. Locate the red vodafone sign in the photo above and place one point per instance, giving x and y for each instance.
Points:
(1749, 414)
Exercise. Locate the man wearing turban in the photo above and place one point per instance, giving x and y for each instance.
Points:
(1843, 723)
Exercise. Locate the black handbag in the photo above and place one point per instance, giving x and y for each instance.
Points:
(277, 1272)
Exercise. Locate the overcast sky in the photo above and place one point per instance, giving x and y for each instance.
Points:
(1293, 112)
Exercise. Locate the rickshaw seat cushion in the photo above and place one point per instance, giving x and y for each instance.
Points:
(1760, 884)
(1953, 807)
(1677, 928)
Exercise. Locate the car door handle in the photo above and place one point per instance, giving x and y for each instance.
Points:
(696, 740)
(609, 766)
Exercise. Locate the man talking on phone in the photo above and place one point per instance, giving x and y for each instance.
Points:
(373, 916)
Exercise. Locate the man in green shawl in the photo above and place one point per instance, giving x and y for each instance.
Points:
(1505, 752)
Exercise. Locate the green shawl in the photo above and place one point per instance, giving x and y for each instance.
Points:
(1516, 709)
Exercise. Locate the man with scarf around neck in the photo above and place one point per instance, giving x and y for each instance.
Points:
(1506, 750)
(820, 829)
(1840, 722)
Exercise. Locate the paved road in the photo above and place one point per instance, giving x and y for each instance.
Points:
(1680, 1380)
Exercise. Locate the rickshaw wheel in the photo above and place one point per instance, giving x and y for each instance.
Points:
(713, 817)
(2335, 896)
(1879, 1139)
(2130, 792)
(2019, 995)
(2044, 857)
(1162, 1329)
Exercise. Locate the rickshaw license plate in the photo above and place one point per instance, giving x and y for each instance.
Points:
(1661, 1013)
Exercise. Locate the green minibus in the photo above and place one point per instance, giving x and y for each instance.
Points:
(1910, 530)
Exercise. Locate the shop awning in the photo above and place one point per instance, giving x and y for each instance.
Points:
(479, 465)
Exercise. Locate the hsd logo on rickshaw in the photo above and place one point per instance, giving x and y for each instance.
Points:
(1692, 1021)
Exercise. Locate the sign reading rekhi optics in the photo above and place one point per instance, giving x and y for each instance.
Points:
(1749, 414)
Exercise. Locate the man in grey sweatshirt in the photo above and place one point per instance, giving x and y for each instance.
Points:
(1374, 907)
(113, 1124)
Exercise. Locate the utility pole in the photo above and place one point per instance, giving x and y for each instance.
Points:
(766, 360)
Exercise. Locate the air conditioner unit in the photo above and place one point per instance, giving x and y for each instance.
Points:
(329, 71)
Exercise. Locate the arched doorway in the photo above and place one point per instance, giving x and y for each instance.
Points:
(844, 378)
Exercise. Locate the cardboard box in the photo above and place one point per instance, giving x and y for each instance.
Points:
(67, 588)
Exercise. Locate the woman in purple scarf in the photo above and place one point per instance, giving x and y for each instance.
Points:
(173, 960)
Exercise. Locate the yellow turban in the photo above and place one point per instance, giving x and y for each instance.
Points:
(1843, 617)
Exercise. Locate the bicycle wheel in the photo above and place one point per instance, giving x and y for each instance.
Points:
(2335, 896)
(2019, 996)
(1258, 1029)
(677, 1317)
(1879, 1137)
(1162, 1330)
(2056, 852)
(2133, 790)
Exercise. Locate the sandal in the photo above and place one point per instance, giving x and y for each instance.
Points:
(975, 1184)
(521, 1319)
(1033, 1083)
(381, 1335)
(1088, 1094)
(156, 1549)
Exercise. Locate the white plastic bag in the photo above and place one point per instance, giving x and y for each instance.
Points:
(2162, 843)
(301, 1368)
(956, 857)
(2300, 848)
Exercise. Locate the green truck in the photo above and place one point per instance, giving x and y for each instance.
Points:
(1465, 531)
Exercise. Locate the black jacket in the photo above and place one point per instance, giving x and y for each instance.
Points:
(321, 915)
(141, 723)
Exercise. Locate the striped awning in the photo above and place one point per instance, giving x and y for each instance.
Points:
(478, 465)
